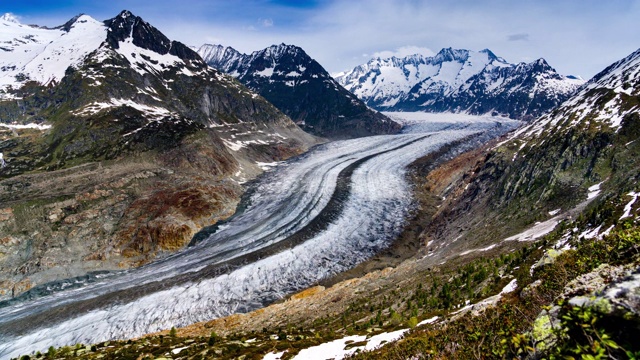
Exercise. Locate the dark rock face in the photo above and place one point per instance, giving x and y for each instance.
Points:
(126, 25)
(301, 88)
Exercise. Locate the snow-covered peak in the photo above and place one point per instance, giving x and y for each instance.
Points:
(494, 57)
(147, 49)
(458, 80)
(210, 51)
(450, 54)
(126, 14)
(30, 53)
(9, 18)
(288, 59)
(219, 56)
(385, 82)
(85, 22)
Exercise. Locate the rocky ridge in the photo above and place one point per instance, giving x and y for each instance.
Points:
(301, 88)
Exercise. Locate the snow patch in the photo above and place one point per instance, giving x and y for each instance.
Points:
(152, 111)
(537, 231)
(267, 166)
(27, 126)
(147, 61)
(554, 212)
(510, 287)
(428, 321)
(594, 190)
(629, 206)
(337, 349)
(477, 250)
(176, 351)
(274, 355)
(267, 72)
(590, 233)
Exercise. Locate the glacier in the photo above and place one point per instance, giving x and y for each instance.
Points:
(273, 246)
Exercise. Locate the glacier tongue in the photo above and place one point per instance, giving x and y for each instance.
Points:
(183, 288)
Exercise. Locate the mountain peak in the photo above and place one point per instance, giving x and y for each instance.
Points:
(78, 18)
(218, 56)
(277, 51)
(450, 54)
(491, 55)
(125, 14)
(542, 65)
(300, 87)
(127, 26)
(9, 17)
(213, 46)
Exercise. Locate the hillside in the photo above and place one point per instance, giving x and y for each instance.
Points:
(460, 81)
(120, 145)
(301, 88)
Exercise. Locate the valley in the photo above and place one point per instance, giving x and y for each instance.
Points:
(297, 217)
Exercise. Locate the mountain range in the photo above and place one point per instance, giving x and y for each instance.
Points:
(301, 88)
(454, 80)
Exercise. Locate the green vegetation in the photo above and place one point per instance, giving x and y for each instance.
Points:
(505, 331)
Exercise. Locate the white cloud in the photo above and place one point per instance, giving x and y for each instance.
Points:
(404, 51)
(266, 22)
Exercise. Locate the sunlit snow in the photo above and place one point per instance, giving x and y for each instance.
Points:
(629, 206)
(341, 348)
(26, 126)
(43, 55)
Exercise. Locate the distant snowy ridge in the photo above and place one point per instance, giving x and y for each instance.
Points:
(454, 80)
(388, 81)
(31, 53)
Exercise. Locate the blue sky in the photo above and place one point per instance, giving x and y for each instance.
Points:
(579, 37)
